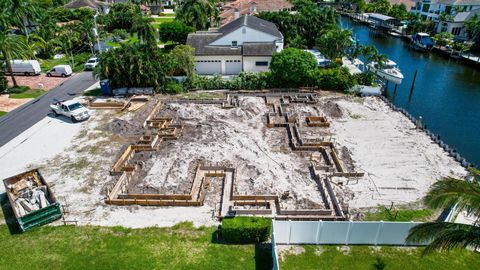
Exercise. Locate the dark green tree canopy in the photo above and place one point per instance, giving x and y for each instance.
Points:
(199, 14)
(174, 31)
(292, 67)
(134, 65)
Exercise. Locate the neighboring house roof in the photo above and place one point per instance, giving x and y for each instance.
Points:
(457, 2)
(252, 22)
(258, 49)
(408, 3)
(201, 40)
(465, 16)
(93, 4)
(251, 7)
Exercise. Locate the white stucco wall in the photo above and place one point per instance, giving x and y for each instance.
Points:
(244, 34)
(249, 63)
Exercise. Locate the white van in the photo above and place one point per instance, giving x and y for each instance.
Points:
(26, 67)
(60, 71)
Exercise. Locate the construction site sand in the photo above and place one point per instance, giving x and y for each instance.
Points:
(381, 142)
(400, 161)
(235, 138)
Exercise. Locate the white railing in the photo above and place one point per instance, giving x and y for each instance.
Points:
(341, 232)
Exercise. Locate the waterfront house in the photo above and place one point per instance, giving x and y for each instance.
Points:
(245, 44)
(431, 9)
(455, 24)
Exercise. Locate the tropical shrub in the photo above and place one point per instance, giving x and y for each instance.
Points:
(173, 87)
(246, 229)
(291, 67)
(120, 33)
(365, 78)
(3, 83)
(174, 31)
(338, 79)
(211, 83)
(303, 27)
(121, 16)
(181, 61)
(133, 65)
(251, 81)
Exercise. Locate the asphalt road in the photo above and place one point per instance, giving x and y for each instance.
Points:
(27, 115)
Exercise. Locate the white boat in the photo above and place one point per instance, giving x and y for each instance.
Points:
(389, 71)
(422, 42)
(322, 61)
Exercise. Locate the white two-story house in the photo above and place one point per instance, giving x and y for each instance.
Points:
(245, 44)
(431, 9)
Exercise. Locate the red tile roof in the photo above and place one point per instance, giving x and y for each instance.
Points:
(244, 6)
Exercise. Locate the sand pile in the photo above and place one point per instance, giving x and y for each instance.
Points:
(332, 109)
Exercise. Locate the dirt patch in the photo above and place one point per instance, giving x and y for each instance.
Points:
(38, 82)
(125, 128)
(347, 159)
(9, 104)
(332, 109)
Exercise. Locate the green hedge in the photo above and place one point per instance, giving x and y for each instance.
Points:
(242, 230)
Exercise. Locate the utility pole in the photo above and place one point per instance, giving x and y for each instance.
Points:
(95, 32)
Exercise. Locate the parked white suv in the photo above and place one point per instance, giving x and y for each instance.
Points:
(91, 63)
(71, 109)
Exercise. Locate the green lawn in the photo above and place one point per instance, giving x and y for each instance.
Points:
(2, 113)
(158, 21)
(79, 60)
(162, 20)
(366, 258)
(400, 214)
(31, 93)
(93, 93)
(89, 247)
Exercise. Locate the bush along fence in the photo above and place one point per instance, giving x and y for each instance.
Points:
(436, 138)
(243, 229)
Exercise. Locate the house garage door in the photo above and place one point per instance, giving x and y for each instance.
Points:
(208, 67)
(233, 67)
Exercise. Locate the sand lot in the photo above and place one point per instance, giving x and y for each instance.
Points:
(400, 162)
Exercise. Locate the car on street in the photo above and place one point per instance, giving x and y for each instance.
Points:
(71, 109)
(60, 71)
(91, 63)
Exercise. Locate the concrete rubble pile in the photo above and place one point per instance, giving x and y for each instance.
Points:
(30, 195)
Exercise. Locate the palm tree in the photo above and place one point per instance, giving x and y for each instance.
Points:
(369, 53)
(11, 47)
(22, 13)
(463, 195)
(144, 30)
(199, 14)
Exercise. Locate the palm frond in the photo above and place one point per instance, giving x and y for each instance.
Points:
(444, 236)
(450, 191)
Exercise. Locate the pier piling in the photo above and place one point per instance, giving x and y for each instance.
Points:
(413, 85)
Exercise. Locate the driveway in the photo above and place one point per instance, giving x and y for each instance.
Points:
(27, 115)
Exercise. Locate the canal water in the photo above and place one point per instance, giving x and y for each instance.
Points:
(446, 93)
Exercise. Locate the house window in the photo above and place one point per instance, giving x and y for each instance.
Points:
(425, 7)
(261, 63)
(234, 43)
(456, 31)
